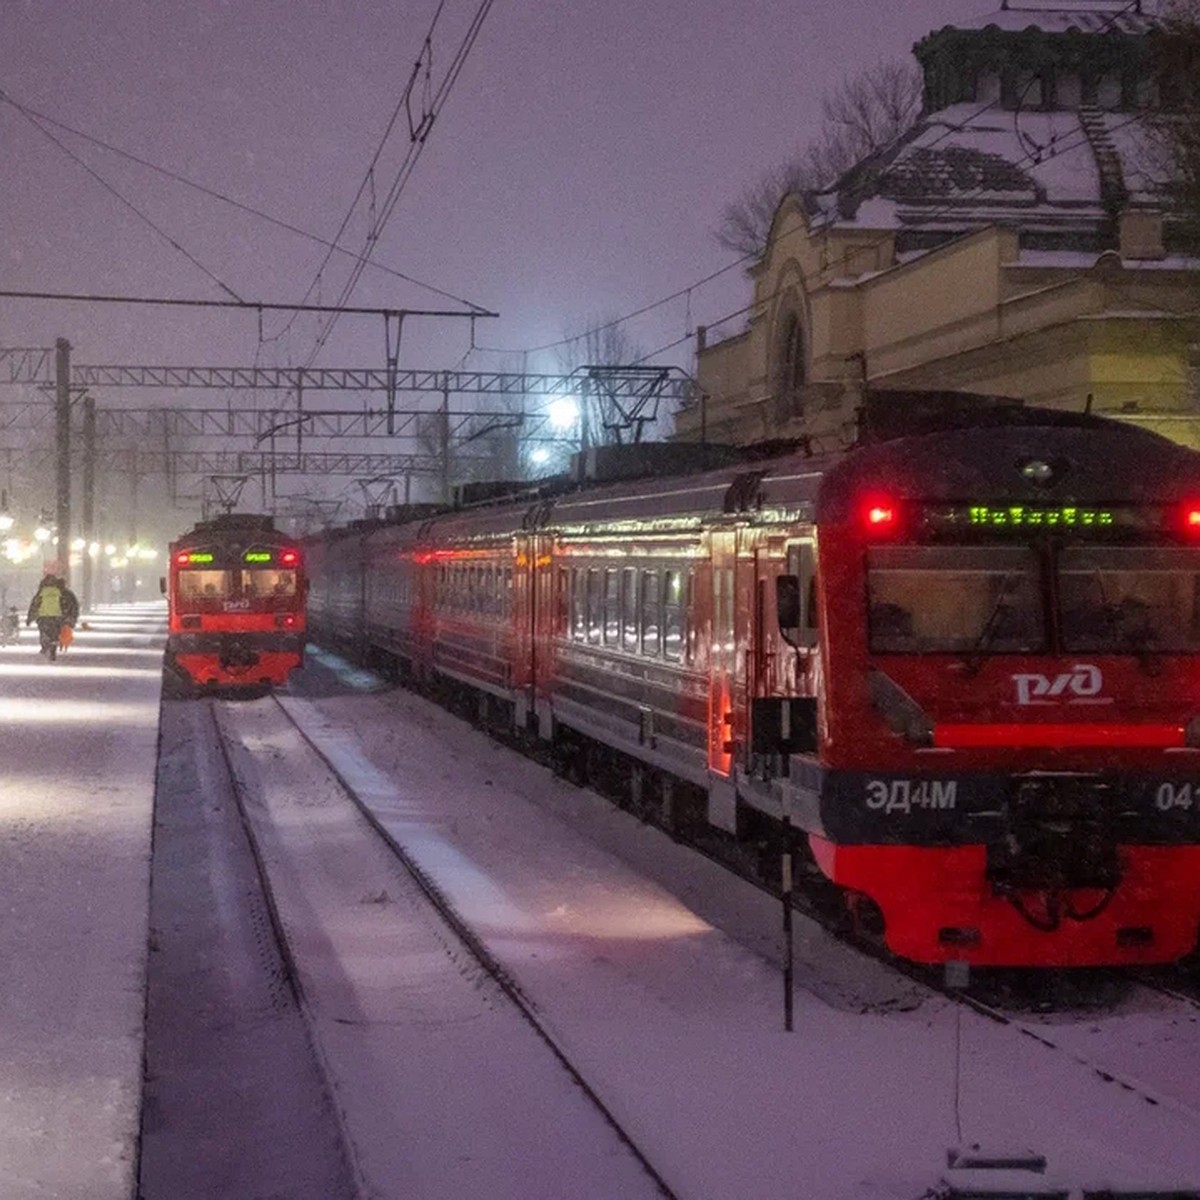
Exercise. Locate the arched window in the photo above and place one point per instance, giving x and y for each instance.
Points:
(790, 370)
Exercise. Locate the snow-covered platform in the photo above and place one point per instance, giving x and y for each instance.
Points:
(76, 802)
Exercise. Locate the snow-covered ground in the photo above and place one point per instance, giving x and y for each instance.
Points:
(657, 973)
(75, 812)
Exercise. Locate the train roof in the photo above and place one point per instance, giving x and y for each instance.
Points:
(939, 444)
(242, 527)
(1023, 456)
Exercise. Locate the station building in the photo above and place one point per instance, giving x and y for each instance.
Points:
(1017, 241)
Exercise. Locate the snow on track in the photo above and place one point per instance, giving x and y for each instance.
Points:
(444, 1089)
(677, 1023)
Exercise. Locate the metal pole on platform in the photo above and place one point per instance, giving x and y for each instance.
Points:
(62, 408)
(786, 893)
(89, 498)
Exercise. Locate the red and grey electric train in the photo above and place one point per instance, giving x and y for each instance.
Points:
(964, 659)
(236, 592)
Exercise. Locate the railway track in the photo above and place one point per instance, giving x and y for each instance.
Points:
(1018, 1017)
(262, 737)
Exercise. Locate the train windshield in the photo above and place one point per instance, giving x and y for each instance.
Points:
(215, 585)
(1130, 600)
(954, 600)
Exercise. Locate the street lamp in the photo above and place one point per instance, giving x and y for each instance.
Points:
(563, 412)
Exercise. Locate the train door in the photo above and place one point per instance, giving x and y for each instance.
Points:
(547, 591)
(801, 653)
(722, 658)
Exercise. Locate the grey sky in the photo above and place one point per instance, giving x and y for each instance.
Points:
(578, 169)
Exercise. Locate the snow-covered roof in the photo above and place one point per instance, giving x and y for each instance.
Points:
(968, 166)
(1088, 16)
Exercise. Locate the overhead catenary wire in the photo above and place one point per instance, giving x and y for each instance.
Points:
(685, 291)
(173, 242)
(419, 139)
(213, 193)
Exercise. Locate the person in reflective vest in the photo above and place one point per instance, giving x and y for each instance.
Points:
(53, 606)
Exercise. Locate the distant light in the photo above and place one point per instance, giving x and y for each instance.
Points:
(110, 549)
(7, 520)
(41, 534)
(563, 412)
(540, 455)
(93, 549)
(78, 544)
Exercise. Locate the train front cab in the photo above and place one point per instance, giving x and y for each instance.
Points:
(1007, 759)
(236, 614)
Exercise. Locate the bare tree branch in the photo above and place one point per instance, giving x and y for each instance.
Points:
(865, 113)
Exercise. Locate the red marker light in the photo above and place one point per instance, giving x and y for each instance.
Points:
(288, 558)
(289, 620)
(1191, 518)
(881, 515)
(183, 558)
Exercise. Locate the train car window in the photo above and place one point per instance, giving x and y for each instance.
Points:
(562, 609)
(578, 605)
(651, 613)
(1131, 600)
(954, 599)
(801, 562)
(673, 616)
(269, 583)
(689, 617)
(595, 607)
(506, 605)
(629, 610)
(612, 607)
(205, 585)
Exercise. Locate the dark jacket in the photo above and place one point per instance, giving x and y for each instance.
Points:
(67, 602)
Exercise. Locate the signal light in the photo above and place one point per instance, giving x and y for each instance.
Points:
(288, 558)
(1190, 518)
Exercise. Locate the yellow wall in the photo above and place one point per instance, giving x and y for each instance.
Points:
(966, 316)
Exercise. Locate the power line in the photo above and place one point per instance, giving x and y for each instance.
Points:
(418, 137)
(252, 305)
(216, 195)
(949, 129)
(130, 205)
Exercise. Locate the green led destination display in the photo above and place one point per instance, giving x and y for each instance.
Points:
(201, 557)
(257, 556)
(1029, 516)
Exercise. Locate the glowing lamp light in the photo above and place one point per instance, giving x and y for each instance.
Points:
(183, 558)
(563, 413)
(540, 455)
(1191, 518)
(41, 534)
(288, 558)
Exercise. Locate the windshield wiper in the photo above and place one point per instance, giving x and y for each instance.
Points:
(975, 656)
